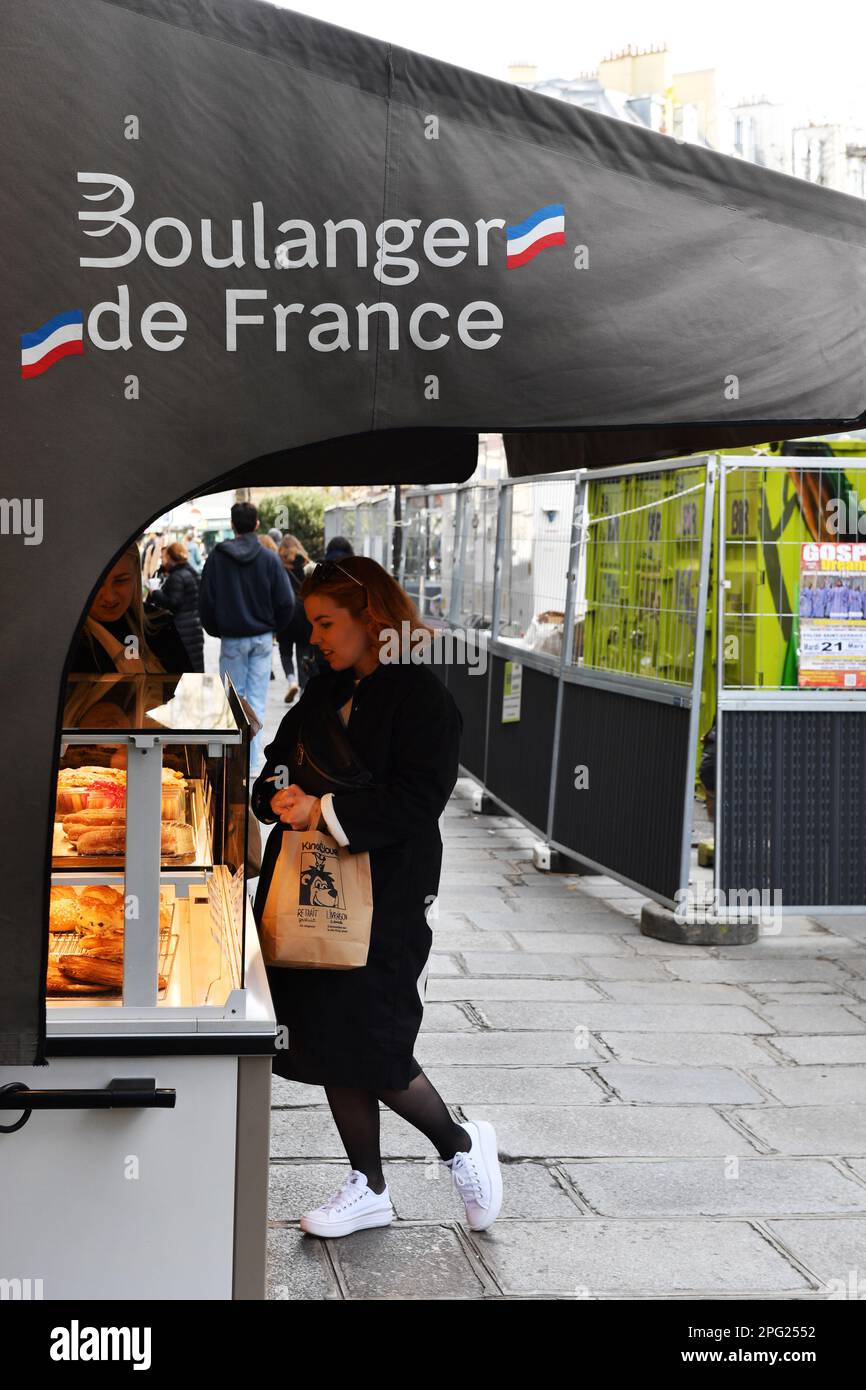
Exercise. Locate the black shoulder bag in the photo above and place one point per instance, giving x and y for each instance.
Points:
(324, 759)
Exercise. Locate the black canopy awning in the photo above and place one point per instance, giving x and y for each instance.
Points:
(242, 244)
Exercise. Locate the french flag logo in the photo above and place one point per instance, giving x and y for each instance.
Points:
(546, 227)
(62, 336)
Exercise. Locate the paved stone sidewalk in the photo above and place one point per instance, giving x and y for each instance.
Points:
(672, 1121)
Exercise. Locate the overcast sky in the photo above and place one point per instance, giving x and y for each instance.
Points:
(808, 53)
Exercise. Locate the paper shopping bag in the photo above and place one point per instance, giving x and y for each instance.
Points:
(319, 905)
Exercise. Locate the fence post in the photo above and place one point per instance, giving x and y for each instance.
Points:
(698, 668)
(576, 540)
(459, 559)
(721, 585)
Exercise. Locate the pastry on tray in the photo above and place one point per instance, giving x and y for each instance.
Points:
(97, 970)
(104, 788)
(111, 839)
(97, 909)
(58, 983)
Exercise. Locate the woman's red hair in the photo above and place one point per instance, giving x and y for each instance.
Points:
(388, 606)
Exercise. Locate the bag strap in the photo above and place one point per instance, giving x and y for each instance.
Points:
(325, 720)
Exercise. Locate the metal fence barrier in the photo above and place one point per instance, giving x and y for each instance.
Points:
(625, 613)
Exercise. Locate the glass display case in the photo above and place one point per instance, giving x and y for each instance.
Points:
(148, 881)
(160, 1030)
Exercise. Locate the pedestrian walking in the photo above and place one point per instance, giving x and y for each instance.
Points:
(245, 598)
(337, 548)
(194, 552)
(297, 654)
(353, 1031)
(178, 594)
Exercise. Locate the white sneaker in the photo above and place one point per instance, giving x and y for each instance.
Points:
(353, 1207)
(476, 1175)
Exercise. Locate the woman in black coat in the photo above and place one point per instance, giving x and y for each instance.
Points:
(353, 1031)
(179, 595)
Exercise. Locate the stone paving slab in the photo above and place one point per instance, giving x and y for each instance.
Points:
(679, 1085)
(651, 1258)
(809, 1049)
(444, 966)
(665, 950)
(521, 963)
(298, 1267)
(470, 1086)
(545, 918)
(804, 1018)
(853, 923)
(670, 1049)
(642, 1018)
(828, 1085)
(404, 1261)
(447, 1018)
(776, 947)
(748, 970)
(550, 1131)
(504, 987)
(623, 967)
(676, 992)
(453, 940)
(508, 1049)
(830, 1249)
(808, 1129)
(785, 991)
(294, 1093)
(750, 1187)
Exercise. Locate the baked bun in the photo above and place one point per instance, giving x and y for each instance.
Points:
(101, 906)
(63, 892)
(63, 916)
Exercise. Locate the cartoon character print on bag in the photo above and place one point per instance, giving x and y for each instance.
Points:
(318, 887)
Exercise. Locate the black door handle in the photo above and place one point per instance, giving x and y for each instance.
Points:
(122, 1093)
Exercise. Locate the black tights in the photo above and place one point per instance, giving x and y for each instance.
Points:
(356, 1114)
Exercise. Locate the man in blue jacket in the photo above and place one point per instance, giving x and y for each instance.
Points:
(245, 597)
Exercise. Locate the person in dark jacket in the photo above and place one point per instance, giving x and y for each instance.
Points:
(179, 596)
(118, 634)
(246, 597)
(297, 654)
(353, 1031)
(338, 548)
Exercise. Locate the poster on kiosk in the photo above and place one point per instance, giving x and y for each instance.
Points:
(833, 615)
(244, 247)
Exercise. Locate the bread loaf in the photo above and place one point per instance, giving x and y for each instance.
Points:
(58, 983)
(97, 970)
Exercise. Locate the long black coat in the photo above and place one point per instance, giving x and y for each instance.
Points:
(179, 594)
(358, 1027)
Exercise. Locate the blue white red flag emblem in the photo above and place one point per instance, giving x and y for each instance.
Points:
(62, 336)
(543, 228)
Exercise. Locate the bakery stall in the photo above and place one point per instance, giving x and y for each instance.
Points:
(153, 372)
(159, 1022)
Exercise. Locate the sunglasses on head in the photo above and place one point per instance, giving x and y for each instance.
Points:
(327, 569)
